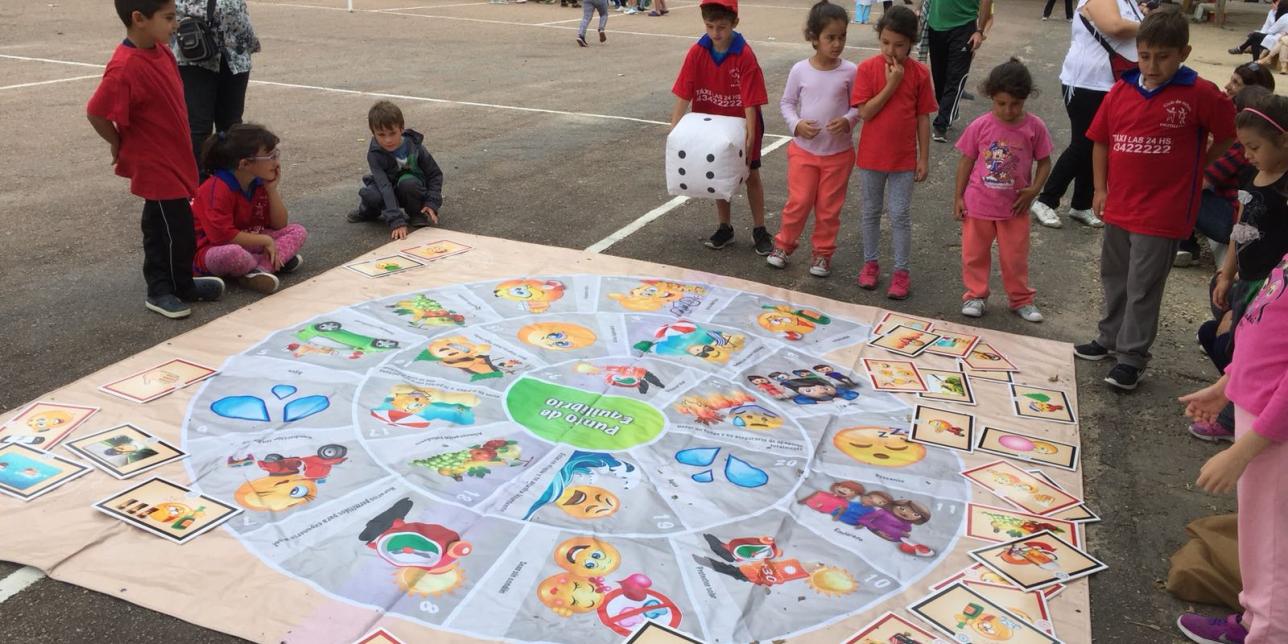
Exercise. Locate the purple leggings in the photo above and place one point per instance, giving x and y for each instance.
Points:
(231, 260)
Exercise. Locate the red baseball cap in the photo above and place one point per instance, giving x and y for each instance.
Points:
(731, 5)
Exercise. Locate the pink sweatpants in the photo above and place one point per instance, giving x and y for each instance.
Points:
(817, 183)
(1263, 540)
(231, 260)
(1012, 237)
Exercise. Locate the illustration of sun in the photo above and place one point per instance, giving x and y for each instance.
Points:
(832, 582)
(418, 582)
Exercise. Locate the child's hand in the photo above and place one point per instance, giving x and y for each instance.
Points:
(749, 144)
(1206, 403)
(894, 72)
(1220, 474)
(1024, 199)
(923, 169)
(270, 249)
(399, 233)
(115, 147)
(1098, 203)
(429, 212)
(1221, 292)
(839, 125)
(807, 129)
(959, 208)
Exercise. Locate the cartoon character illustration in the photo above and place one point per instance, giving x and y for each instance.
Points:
(687, 338)
(1000, 165)
(534, 295)
(332, 333)
(893, 374)
(124, 450)
(707, 408)
(557, 336)
(849, 502)
(1271, 291)
(840, 378)
(584, 587)
(627, 376)
(1035, 553)
(880, 446)
(757, 560)
(1041, 403)
(940, 426)
(425, 312)
(894, 521)
(652, 295)
(814, 390)
(458, 352)
(587, 557)
(994, 627)
(789, 322)
(416, 407)
(767, 387)
(584, 501)
(291, 480)
(754, 417)
(1016, 527)
(478, 461)
(427, 555)
(47, 420)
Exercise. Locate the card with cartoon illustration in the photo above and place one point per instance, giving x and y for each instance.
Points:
(890, 320)
(43, 423)
(167, 510)
(431, 312)
(1037, 561)
(988, 523)
(379, 636)
(1003, 377)
(895, 376)
(953, 345)
(1028, 605)
(791, 323)
(383, 266)
(1042, 404)
(1021, 489)
(1024, 447)
(435, 250)
(654, 633)
(125, 450)
(948, 386)
(1078, 514)
(977, 572)
(904, 341)
(26, 473)
(892, 628)
(150, 384)
(944, 428)
(985, 358)
(970, 618)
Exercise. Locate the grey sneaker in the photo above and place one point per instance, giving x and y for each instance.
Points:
(1045, 215)
(1087, 217)
(820, 266)
(169, 306)
(973, 308)
(777, 258)
(259, 281)
(206, 288)
(1185, 259)
(1029, 312)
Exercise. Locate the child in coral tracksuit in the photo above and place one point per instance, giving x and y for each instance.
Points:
(994, 191)
(815, 105)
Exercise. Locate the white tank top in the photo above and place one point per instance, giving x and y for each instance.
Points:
(1086, 65)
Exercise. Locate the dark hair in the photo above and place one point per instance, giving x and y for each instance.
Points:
(1256, 74)
(1269, 119)
(915, 507)
(224, 150)
(852, 486)
(1011, 77)
(821, 15)
(126, 8)
(1250, 95)
(712, 12)
(900, 20)
(384, 115)
(1165, 27)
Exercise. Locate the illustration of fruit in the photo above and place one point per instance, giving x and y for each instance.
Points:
(477, 461)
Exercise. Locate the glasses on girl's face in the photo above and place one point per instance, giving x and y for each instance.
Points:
(271, 156)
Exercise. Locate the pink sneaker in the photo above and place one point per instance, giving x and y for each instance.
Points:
(869, 275)
(1211, 432)
(900, 282)
(1212, 630)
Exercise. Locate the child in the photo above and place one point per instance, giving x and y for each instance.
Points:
(720, 75)
(1149, 137)
(1257, 383)
(242, 228)
(895, 101)
(139, 110)
(816, 107)
(994, 191)
(588, 10)
(404, 177)
(862, 10)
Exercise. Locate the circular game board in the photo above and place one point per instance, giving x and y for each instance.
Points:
(561, 458)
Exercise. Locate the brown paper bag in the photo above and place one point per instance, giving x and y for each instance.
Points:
(1206, 570)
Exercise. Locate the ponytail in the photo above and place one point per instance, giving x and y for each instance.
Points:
(225, 150)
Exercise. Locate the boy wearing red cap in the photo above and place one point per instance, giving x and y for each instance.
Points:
(720, 75)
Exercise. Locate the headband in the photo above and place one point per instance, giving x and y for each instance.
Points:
(1267, 118)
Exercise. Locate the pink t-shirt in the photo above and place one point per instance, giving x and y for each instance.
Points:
(820, 96)
(1259, 372)
(1004, 154)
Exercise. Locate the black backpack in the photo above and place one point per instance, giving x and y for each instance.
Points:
(196, 37)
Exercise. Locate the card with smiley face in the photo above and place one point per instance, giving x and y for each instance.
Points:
(953, 345)
(1037, 561)
(985, 358)
(895, 375)
(382, 266)
(1021, 489)
(970, 618)
(1042, 404)
(150, 384)
(1033, 449)
(167, 510)
(43, 423)
(891, 320)
(905, 341)
(892, 628)
(944, 428)
(435, 250)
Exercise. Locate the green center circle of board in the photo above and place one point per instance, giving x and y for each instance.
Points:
(583, 419)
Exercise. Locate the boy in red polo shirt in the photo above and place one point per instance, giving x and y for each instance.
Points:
(139, 110)
(720, 75)
(1151, 145)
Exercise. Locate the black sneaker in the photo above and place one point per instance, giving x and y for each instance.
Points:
(967, 96)
(721, 238)
(358, 215)
(169, 306)
(1124, 376)
(1090, 351)
(763, 240)
(205, 289)
(419, 220)
(581, 41)
(940, 134)
(292, 264)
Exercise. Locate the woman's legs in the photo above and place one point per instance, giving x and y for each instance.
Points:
(1046, 11)
(1074, 164)
(200, 91)
(587, 10)
(230, 98)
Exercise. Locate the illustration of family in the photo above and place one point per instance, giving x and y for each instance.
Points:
(892, 519)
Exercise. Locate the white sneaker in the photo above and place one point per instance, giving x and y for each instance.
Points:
(1046, 215)
(1087, 217)
(777, 258)
(820, 266)
(973, 308)
(1029, 312)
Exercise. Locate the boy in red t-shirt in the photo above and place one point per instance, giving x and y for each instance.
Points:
(1151, 145)
(720, 75)
(139, 110)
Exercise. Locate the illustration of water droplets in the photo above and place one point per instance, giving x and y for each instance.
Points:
(705, 476)
(282, 391)
(241, 407)
(305, 407)
(697, 456)
(744, 474)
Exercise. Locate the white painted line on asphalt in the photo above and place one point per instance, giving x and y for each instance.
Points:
(557, 22)
(48, 82)
(656, 213)
(18, 581)
(425, 6)
(50, 60)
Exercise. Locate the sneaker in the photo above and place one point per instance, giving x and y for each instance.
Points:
(1211, 432)
(900, 282)
(1090, 351)
(973, 308)
(602, 37)
(1212, 630)
(721, 238)
(632, 11)
(967, 96)
(581, 41)
(292, 264)
(420, 219)
(1235, 51)
(820, 266)
(1185, 259)
(358, 215)
(1087, 217)
(777, 259)
(1124, 376)
(169, 306)
(763, 240)
(1029, 312)
(206, 289)
(1045, 18)
(1045, 215)
(940, 134)
(869, 275)
(259, 281)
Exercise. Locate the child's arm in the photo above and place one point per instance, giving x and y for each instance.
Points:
(1100, 173)
(1027, 195)
(433, 184)
(1217, 149)
(923, 148)
(789, 105)
(964, 166)
(869, 109)
(677, 112)
(749, 114)
(1221, 473)
(278, 216)
(1226, 274)
(392, 213)
(107, 130)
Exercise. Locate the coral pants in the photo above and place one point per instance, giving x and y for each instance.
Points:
(1012, 237)
(231, 260)
(1263, 540)
(818, 183)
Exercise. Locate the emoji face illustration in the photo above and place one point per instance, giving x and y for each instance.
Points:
(991, 626)
(568, 595)
(587, 502)
(878, 446)
(652, 295)
(557, 336)
(534, 295)
(754, 417)
(1043, 447)
(587, 557)
(276, 493)
(47, 420)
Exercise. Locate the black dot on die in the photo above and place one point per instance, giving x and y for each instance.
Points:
(739, 154)
(711, 175)
(682, 154)
(684, 187)
(681, 171)
(710, 158)
(708, 118)
(711, 190)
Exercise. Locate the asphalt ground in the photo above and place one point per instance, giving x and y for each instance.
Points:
(542, 141)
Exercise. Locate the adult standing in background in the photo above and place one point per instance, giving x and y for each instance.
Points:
(955, 29)
(215, 89)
